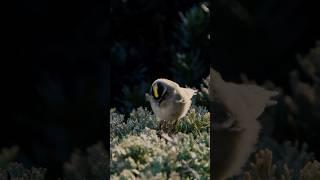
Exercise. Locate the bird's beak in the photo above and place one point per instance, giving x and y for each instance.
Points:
(147, 97)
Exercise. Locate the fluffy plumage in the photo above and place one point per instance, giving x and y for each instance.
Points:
(236, 108)
(174, 103)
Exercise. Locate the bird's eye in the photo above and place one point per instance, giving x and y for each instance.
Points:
(165, 94)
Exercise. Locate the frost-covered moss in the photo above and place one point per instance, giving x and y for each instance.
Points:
(137, 150)
(137, 121)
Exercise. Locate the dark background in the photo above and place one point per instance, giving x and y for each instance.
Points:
(263, 38)
(57, 81)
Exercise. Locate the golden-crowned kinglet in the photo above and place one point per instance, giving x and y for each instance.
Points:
(169, 102)
(236, 109)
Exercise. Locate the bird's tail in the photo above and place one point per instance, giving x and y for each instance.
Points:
(189, 93)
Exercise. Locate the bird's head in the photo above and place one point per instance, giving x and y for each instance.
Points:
(158, 91)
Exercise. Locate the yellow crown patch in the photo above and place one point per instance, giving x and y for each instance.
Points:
(155, 91)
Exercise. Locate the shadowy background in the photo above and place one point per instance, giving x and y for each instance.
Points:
(262, 38)
(57, 80)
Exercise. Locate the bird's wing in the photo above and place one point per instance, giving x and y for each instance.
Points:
(256, 98)
(245, 103)
(188, 93)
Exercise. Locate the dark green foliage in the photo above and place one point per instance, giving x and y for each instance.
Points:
(133, 96)
(188, 54)
(311, 171)
(289, 155)
(187, 67)
(197, 121)
(93, 165)
(7, 155)
(297, 114)
(133, 88)
(202, 96)
(264, 168)
(130, 78)
(303, 107)
(17, 171)
(192, 31)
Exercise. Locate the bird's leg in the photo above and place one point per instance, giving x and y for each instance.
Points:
(162, 124)
(160, 128)
(167, 126)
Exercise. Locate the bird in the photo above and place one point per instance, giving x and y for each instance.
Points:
(235, 112)
(169, 102)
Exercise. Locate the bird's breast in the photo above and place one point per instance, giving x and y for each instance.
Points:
(170, 111)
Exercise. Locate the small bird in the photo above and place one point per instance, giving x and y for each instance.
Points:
(169, 102)
(236, 109)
